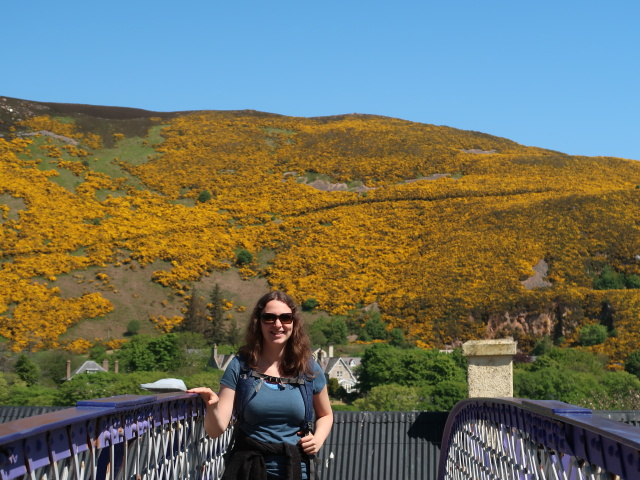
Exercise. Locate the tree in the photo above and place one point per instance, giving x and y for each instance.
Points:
(53, 365)
(632, 364)
(310, 304)
(135, 355)
(383, 364)
(446, 394)
(542, 346)
(324, 331)
(204, 196)
(396, 338)
(316, 333)
(391, 397)
(35, 395)
(375, 327)
(336, 331)
(243, 257)
(133, 327)
(97, 352)
(332, 387)
(196, 319)
(87, 386)
(570, 375)
(27, 370)
(594, 334)
(166, 352)
(632, 281)
(609, 279)
(218, 332)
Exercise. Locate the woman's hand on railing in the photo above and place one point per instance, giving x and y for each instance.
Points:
(208, 396)
(218, 407)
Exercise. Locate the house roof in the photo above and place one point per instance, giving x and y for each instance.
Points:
(220, 361)
(88, 366)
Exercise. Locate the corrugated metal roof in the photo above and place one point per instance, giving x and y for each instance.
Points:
(630, 417)
(7, 414)
(383, 445)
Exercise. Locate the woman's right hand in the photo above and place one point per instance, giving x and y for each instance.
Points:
(208, 396)
(219, 407)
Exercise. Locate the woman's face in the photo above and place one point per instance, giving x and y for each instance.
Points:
(277, 333)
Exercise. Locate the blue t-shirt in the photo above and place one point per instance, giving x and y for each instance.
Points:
(275, 413)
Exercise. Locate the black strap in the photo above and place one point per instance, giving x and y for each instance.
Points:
(279, 380)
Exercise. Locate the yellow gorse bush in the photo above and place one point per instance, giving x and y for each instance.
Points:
(440, 257)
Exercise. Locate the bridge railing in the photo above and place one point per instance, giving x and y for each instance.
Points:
(162, 437)
(158, 437)
(524, 439)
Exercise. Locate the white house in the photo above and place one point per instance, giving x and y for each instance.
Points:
(340, 368)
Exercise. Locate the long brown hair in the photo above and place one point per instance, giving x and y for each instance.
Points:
(297, 350)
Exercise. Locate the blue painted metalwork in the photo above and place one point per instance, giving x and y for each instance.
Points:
(162, 437)
(488, 438)
(126, 437)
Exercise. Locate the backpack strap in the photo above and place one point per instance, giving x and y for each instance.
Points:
(246, 389)
(306, 388)
(243, 391)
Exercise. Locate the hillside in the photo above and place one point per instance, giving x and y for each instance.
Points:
(441, 227)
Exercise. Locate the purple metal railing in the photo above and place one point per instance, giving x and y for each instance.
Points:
(126, 437)
(162, 437)
(524, 439)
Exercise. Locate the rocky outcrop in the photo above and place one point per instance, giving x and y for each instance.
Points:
(538, 279)
(539, 325)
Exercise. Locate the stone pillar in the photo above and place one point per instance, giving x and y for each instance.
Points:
(490, 367)
(105, 365)
(68, 369)
(115, 366)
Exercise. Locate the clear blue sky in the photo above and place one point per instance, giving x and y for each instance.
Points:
(558, 74)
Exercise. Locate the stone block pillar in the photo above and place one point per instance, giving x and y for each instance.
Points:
(490, 369)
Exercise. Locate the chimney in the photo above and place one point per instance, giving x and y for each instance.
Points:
(330, 351)
(105, 365)
(115, 366)
(68, 369)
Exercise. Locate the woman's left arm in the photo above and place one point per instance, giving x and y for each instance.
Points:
(324, 421)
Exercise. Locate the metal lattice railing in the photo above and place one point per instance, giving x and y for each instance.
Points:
(500, 439)
(128, 437)
(162, 438)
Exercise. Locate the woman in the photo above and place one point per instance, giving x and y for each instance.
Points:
(278, 350)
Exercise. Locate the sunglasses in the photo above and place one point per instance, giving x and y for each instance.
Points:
(270, 318)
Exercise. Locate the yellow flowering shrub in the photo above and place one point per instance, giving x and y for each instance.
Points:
(166, 324)
(438, 226)
(78, 346)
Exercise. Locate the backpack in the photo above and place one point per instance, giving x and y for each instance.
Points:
(246, 388)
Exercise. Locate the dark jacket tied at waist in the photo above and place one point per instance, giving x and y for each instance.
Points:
(246, 461)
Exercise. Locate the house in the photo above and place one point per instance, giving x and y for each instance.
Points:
(340, 368)
(90, 367)
(219, 361)
(87, 367)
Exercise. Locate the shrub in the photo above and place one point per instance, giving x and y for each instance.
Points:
(204, 196)
(310, 304)
(609, 280)
(27, 370)
(244, 257)
(632, 364)
(133, 327)
(632, 281)
(593, 335)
